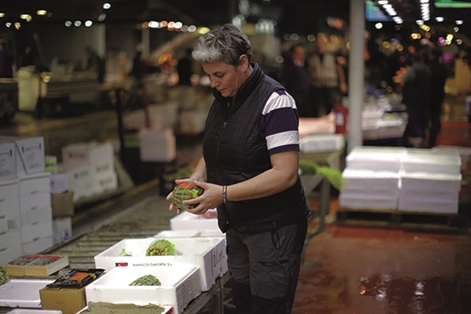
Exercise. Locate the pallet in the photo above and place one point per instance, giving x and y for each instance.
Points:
(392, 218)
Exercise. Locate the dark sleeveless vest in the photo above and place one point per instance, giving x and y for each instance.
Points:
(234, 151)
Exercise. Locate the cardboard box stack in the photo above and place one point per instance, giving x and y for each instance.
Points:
(405, 179)
(90, 169)
(25, 211)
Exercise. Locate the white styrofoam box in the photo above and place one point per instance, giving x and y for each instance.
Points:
(189, 233)
(36, 215)
(157, 145)
(59, 182)
(370, 201)
(428, 205)
(26, 311)
(22, 293)
(10, 253)
(464, 152)
(91, 154)
(430, 181)
(37, 183)
(9, 190)
(38, 245)
(161, 116)
(180, 284)
(10, 246)
(3, 224)
(192, 122)
(375, 158)
(35, 201)
(322, 143)
(209, 254)
(370, 180)
(11, 238)
(189, 221)
(61, 229)
(37, 230)
(165, 309)
(430, 195)
(104, 182)
(7, 161)
(30, 154)
(425, 160)
(10, 211)
(80, 182)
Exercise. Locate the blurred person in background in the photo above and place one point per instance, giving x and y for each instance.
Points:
(6, 61)
(249, 171)
(326, 77)
(295, 78)
(185, 68)
(439, 73)
(416, 83)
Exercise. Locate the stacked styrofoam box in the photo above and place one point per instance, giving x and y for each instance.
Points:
(8, 158)
(90, 168)
(157, 145)
(369, 189)
(180, 284)
(187, 221)
(192, 122)
(465, 153)
(371, 178)
(321, 143)
(430, 181)
(189, 233)
(10, 221)
(29, 154)
(35, 212)
(208, 254)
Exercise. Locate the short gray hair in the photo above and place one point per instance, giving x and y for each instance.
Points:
(226, 44)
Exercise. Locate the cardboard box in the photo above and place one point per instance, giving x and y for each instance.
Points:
(62, 204)
(7, 161)
(209, 254)
(180, 284)
(38, 245)
(9, 190)
(30, 154)
(34, 184)
(59, 182)
(67, 300)
(36, 265)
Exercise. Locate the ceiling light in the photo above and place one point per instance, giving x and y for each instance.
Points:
(68, 23)
(459, 22)
(379, 25)
(102, 17)
(456, 29)
(153, 24)
(77, 23)
(88, 23)
(106, 6)
(2, 14)
(178, 25)
(439, 19)
(192, 28)
(382, 2)
(17, 25)
(419, 22)
(41, 12)
(26, 17)
(8, 24)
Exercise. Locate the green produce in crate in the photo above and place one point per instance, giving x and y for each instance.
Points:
(3, 275)
(161, 247)
(146, 280)
(185, 191)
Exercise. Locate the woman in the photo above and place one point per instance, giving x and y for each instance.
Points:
(249, 171)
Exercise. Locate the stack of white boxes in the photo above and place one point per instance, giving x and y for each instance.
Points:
(371, 178)
(406, 179)
(90, 168)
(25, 210)
(430, 181)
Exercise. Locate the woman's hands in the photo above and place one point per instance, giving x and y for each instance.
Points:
(211, 197)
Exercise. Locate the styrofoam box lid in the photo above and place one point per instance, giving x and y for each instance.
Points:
(369, 174)
(376, 153)
(22, 292)
(26, 311)
(189, 221)
(414, 180)
(180, 285)
(432, 157)
(189, 233)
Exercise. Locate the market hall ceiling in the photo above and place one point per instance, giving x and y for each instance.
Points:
(298, 13)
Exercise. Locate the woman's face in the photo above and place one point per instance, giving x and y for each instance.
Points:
(225, 77)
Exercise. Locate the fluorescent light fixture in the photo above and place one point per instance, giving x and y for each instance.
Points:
(68, 23)
(106, 6)
(382, 2)
(439, 19)
(459, 22)
(41, 12)
(88, 23)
